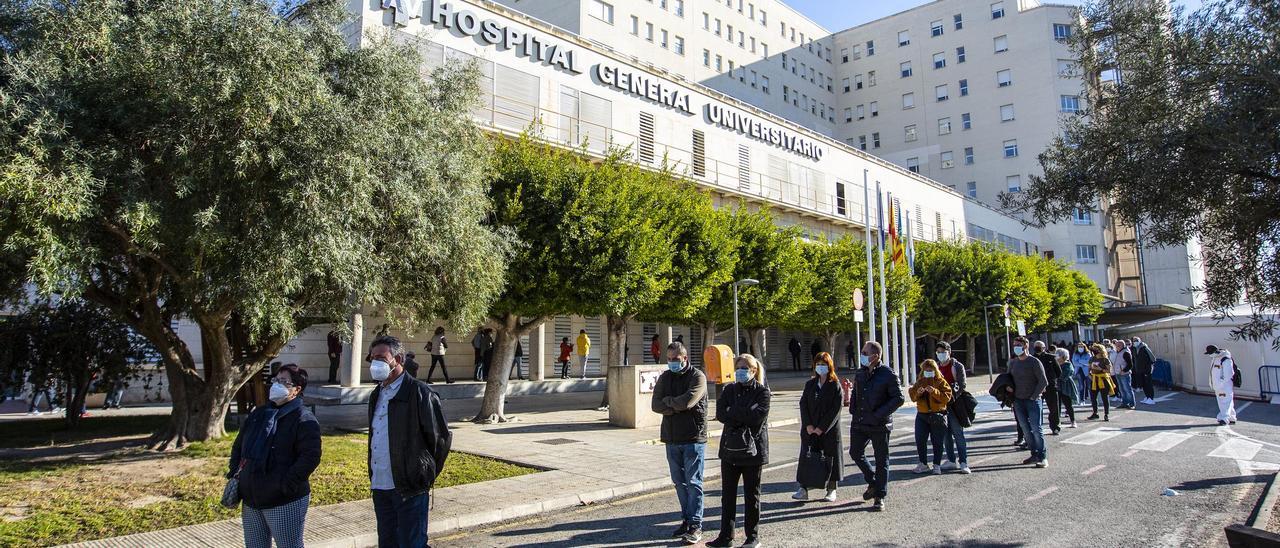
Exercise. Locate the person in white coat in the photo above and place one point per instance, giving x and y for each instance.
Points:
(1221, 371)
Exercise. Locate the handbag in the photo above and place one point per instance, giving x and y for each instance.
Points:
(738, 442)
(814, 469)
(231, 491)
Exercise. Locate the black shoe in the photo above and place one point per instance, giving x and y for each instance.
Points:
(752, 542)
(1023, 447)
(692, 537)
(721, 542)
(1031, 460)
(1222, 423)
(869, 494)
(1093, 417)
(1055, 432)
(878, 505)
(1231, 422)
(684, 528)
(449, 382)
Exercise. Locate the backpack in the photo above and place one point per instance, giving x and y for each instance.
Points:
(1236, 378)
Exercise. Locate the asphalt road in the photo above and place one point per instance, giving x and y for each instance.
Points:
(1103, 487)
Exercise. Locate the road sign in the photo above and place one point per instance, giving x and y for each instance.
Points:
(857, 301)
(1022, 328)
(857, 316)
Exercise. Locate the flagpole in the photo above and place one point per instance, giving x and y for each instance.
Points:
(884, 297)
(913, 360)
(871, 287)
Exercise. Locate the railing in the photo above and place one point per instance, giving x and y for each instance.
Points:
(1269, 381)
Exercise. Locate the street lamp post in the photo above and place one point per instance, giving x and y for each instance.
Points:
(736, 336)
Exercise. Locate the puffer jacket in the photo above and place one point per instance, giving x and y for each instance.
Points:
(927, 401)
(874, 398)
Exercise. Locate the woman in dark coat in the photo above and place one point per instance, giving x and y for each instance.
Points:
(820, 407)
(274, 454)
(743, 408)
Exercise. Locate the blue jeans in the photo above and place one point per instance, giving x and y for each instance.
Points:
(1126, 389)
(402, 521)
(1029, 420)
(1083, 384)
(955, 438)
(685, 461)
(927, 431)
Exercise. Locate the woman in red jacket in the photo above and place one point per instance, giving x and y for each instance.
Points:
(566, 349)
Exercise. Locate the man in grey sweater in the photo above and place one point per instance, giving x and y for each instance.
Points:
(1029, 381)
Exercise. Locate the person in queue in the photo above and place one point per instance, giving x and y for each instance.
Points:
(1080, 360)
(273, 457)
(680, 396)
(1066, 385)
(820, 405)
(953, 371)
(1029, 383)
(743, 408)
(875, 396)
(1100, 383)
(1052, 372)
(931, 394)
(409, 442)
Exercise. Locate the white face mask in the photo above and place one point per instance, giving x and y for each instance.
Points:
(928, 374)
(379, 370)
(943, 356)
(278, 394)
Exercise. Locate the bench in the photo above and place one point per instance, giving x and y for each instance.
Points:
(323, 401)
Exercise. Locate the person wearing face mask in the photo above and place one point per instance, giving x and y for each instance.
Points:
(743, 408)
(1080, 360)
(680, 396)
(1122, 371)
(409, 442)
(931, 394)
(1144, 362)
(1066, 385)
(273, 457)
(820, 405)
(1053, 372)
(953, 372)
(1221, 376)
(1029, 384)
(1100, 383)
(873, 400)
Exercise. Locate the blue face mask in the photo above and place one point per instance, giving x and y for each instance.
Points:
(821, 370)
(742, 375)
(864, 359)
(1018, 350)
(675, 366)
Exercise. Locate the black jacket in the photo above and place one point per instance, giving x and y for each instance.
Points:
(681, 399)
(1144, 361)
(820, 407)
(1052, 370)
(418, 435)
(746, 406)
(997, 390)
(294, 455)
(876, 395)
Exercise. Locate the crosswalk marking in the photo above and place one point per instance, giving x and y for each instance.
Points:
(1095, 437)
(1042, 493)
(1236, 448)
(1161, 442)
(1092, 470)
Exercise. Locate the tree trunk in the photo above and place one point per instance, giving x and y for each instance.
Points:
(708, 334)
(507, 332)
(755, 336)
(829, 337)
(616, 341)
(971, 346)
(76, 387)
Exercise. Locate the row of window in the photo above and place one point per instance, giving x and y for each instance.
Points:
(604, 11)
(810, 104)
(662, 37)
(806, 72)
(742, 40)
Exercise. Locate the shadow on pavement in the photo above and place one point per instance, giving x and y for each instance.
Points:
(551, 428)
(1218, 482)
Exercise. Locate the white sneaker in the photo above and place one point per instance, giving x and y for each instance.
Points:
(921, 468)
(937, 470)
(1072, 425)
(800, 494)
(948, 465)
(1149, 401)
(964, 468)
(831, 496)
(54, 410)
(32, 413)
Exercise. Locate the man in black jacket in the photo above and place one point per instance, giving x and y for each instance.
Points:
(1052, 372)
(794, 348)
(680, 396)
(409, 441)
(874, 398)
(1144, 363)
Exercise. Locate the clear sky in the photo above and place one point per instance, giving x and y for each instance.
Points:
(838, 15)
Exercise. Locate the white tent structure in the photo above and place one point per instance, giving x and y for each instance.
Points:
(1181, 340)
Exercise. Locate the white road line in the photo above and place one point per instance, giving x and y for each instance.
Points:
(1243, 407)
(1129, 453)
(964, 531)
(1167, 396)
(1041, 494)
(1236, 448)
(1095, 437)
(1092, 470)
(1161, 442)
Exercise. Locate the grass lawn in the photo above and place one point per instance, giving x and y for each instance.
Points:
(132, 491)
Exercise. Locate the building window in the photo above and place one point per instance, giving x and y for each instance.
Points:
(909, 133)
(1004, 78)
(935, 28)
(1070, 104)
(862, 142)
(857, 81)
(602, 11)
(648, 31)
(679, 8)
(1066, 68)
(940, 92)
(706, 21)
(875, 108)
(844, 55)
(764, 84)
(1086, 253)
(947, 161)
(1002, 43)
(939, 60)
(786, 93)
(755, 79)
(728, 32)
(875, 140)
(663, 42)
(905, 68)
(965, 121)
(861, 113)
(742, 42)
(971, 188)
(679, 45)
(1011, 148)
(717, 31)
(913, 165)
(871, 48)
(764, 50)
(719, 63)
(908, 101)
(964, 88)
(1061, 32)
(968, 156)
(1006, 113)
(871, 78)
(844, 85)
(752, 41)
(706, 58)
(848, 114)
(997, 10)
(1083, 216)
(959, 21)
(1013, 183)
(944, 126)
(635, 25)
(904, 38)
(959, 55)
